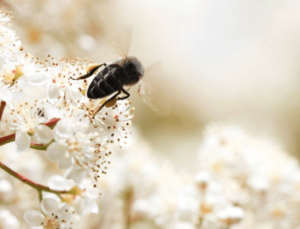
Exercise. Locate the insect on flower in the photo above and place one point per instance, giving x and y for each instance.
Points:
(125, 71)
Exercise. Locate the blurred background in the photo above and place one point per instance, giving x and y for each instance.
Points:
(227, 61)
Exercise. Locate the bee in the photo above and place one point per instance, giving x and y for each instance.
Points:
(125, 71)
(112, 78)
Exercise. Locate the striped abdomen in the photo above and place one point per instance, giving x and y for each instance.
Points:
(106, 82)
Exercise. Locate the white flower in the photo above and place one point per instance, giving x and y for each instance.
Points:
(86, 194)
(63, 110)
(55, 216)
(9, 92)
(8, 221)
(202, 179)
(143, 183)
(92, 167)
(71, 144)
(85, 202)
(253, 173)
(57, 78)
(27, 122)
(8, 42)
(231, 215)
(114, 122)
(25, 64)
(10, 88)
(187, 204)
(78, 147)
(258, 183)
(57, 182)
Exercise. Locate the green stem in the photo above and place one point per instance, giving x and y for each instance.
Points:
(7, 139)
(40, 195)
(199, 224)
(40, 146)
(34, 185)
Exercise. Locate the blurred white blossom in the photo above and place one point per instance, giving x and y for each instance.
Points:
(8, 220)
(55, 215)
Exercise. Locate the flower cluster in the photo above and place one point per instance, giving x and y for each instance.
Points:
(56, 215)
(44, 108)
(238, 181)
(255, 174)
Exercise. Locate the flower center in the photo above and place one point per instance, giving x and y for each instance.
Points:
(74, 146)
(52, 224)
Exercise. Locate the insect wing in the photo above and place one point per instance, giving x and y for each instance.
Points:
(154, 89)
(119, 38)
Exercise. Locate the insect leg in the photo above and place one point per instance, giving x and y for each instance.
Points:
(90, 73)
(125, 92)
(119, 92)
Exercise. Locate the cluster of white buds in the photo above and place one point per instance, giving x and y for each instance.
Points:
(258, 179)
(239, 181)
(44, 108)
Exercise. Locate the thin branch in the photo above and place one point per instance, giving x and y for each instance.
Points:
(34, 185)
(7, 139)
(10, 138)
(199, 224)
(40, 195)
(2, 106)
(40, 146)
(128, 200)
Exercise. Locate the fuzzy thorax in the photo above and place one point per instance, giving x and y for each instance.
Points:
(138, 65)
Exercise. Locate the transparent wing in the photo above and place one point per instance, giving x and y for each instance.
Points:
(154, 89)
(119, 38)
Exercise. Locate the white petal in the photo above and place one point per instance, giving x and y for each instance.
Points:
(28, 70)
(39, 79)
(77, 174)
(8, 103)
(22, 81)
(80, 206)
(68, 93)
(22, 141)
(34, 218)
(63, 129)
(64, 212)
(43, 134)
(18, 95)
(53, 91)
(55, 151)
(91, 205)
(57, 182)
(65, 163)
(6, 96)
(49, 206)
(76, 95)
(51, 196)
